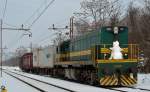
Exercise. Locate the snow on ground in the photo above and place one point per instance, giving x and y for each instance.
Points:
(69, 85)
(43, 86)
(66, 84)
(12, 68)
(13, 85)
(143, 82)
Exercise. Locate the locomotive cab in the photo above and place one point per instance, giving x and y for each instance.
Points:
(122, 70)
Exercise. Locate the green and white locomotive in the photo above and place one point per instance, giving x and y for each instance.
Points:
(94, 59)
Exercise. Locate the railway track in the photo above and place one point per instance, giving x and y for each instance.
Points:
(68, 90)
(41, 90)
(120, 89)
(37, 82)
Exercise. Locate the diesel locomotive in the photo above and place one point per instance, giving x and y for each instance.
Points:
(89, 58)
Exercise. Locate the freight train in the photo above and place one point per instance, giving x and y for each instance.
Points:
(89, 59)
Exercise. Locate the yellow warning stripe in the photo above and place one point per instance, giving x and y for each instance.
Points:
(114, 82)
(116, 60)
(102, 79)
(103, 82)
(109, 81)
(123, 83)
(134, 80)
(131, 79)
(127, 81)
(74, 53)
(107, 50)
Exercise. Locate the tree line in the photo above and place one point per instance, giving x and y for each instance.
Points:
(97, 13)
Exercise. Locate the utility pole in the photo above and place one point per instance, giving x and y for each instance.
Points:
(66, 27)
(59, 30)
(71, 27)
(1, 40)
(1, 44)
(70, 33)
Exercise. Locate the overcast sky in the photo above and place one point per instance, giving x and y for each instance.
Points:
(19, 11)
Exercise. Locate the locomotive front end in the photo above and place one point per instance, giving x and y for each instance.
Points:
(116, 59)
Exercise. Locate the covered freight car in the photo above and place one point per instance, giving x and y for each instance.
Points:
(26, 63)
(43, 59)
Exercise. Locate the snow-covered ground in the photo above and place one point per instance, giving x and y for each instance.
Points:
(13, 85)
(143, 82)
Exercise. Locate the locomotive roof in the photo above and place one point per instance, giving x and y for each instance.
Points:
(90, 33)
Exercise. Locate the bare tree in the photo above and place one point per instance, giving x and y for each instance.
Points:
(138, 21)
(133, 15)
(115, 13)
(144, 27)
(100, 11)
(81, 25)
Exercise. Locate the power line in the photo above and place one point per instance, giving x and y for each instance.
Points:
(41, 13)
(5, 8)
(34, 13)
(10, 25)
(44, 38)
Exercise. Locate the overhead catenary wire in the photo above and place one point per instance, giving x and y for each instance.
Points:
(34, 21)
(45, 38)
(9, 25)
(34, 13)
(5, 8)
(13, 43)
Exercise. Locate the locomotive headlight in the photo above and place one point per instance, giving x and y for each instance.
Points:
(125, 54)
(116, 30)
(105, 54)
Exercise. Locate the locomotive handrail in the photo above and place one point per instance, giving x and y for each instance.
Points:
(129, 51)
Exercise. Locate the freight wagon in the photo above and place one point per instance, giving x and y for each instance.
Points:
(43, 59)
(26, 63)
